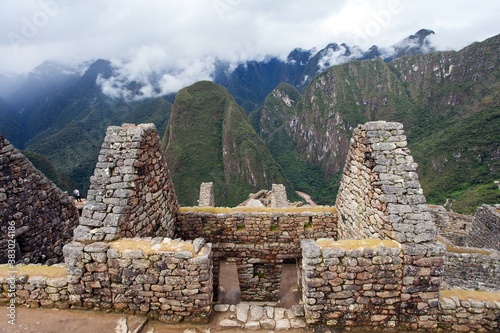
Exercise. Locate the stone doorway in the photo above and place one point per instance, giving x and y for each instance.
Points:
(289, 291)
(229, 286)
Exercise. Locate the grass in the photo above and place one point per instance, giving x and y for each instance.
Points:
(458, 249)
(263, 210)
(148, 247)
(34, 270)
(464, 295)
(352, 244)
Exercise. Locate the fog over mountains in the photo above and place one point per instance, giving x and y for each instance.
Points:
(145, 76)
(298, 111)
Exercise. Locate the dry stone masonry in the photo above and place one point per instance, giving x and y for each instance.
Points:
(485, 228)
(372, 261)
(206, 195)
(259, 241)
(37, 217)
(159, 277)
(380, 197)
(38, 286)
(278, 196)
(468, 312)
(131, 193)
(352, 283)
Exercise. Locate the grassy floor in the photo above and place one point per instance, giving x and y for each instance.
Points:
(464, 295)
(33, 270)
(229, 210)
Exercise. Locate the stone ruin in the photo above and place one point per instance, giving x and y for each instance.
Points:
(276, 197)
(37, 218)
(373, 260)
(131, 193)
(206, 195)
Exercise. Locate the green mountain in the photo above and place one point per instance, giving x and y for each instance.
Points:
(447, 101)
(210, 138)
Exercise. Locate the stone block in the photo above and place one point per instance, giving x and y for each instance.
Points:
(282, 325)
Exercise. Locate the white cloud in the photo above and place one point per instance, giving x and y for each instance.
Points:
(164, 42)
(151, 71)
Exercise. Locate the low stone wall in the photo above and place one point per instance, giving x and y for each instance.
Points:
(259, 242)
(352, 283)
(485, 230)
(472, 269)
(469, 311)
(165, 279)
(257, 226)
(452, 226)
(371, 282)
(37, 218)
(34, 286)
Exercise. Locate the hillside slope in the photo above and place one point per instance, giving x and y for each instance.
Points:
(209, 138)
(447, 101)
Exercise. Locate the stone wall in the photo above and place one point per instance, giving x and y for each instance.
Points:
(380, 197)
(461, 311)
(278, 196)
(371, 283)
(163, 278)
(452, 226)
(131, 193)
(258, 242)
(37, 217)
(34, 286)
(206, 195)
(355, 283)
(485, 229)
(472, 269)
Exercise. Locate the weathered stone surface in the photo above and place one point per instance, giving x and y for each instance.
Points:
(97, 247)
(242, 311)
(252, 325)
(297, 323)
(130, 153)
(221, 307)
(282, 325)
(206, 195)
(43, 216)
(267, 324)
(229, 323)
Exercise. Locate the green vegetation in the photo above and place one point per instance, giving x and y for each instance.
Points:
(74, 148)
(461, 162)
(44, 166)
(211, 139)
(447, 101)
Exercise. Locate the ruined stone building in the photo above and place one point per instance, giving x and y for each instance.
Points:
(375, 259)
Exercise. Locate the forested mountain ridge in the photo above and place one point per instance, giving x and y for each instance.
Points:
(447, 101)
(209, 138)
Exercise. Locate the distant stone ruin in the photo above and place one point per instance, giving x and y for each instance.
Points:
(206, 195)
(37, 217)
(374, 260)
(276, 197)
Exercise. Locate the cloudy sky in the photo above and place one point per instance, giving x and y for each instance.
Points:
(147, 36)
